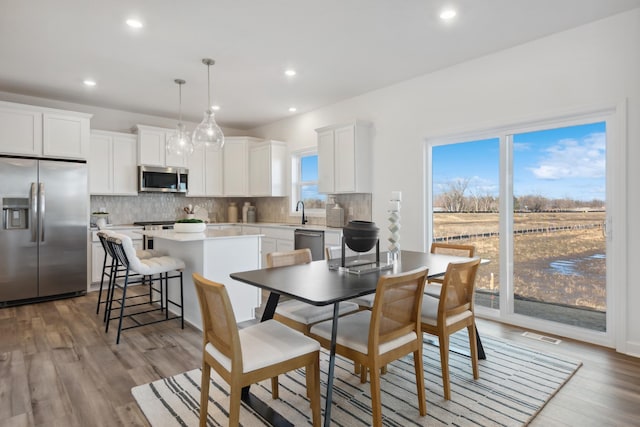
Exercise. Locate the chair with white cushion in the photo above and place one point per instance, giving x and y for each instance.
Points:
(252, 354)
(374, 338)
(155, 269)
(434, 283)
(109, 270)
(451, 312)
(297, 314)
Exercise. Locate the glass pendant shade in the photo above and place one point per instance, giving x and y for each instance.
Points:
(179, 143)
(208, 134)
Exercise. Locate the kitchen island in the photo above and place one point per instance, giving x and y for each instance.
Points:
(214, 254)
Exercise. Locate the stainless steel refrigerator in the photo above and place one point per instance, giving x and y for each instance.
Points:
(43, 238)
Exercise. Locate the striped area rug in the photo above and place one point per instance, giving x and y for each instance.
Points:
(515, 383)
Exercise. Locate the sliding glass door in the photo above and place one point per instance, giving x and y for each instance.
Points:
(466, 207)
(559, 244)
(533, 200)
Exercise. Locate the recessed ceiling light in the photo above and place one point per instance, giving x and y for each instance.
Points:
(215, 107)
(448, 14)
(290, 73)
(292, 109)
(134, 23)
(89, 82)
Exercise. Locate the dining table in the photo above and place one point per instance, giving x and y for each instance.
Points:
(324, 282)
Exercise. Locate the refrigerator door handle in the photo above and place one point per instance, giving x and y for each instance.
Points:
(42, 198)
(34, 213)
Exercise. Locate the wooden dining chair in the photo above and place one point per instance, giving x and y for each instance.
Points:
(374, 338)
(252, 354)
(434, 283)
(297, 314)
(451, 312)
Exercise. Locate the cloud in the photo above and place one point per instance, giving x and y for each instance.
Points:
(521, 146)
(571, 158)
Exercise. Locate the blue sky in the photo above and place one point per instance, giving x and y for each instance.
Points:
(566, 162)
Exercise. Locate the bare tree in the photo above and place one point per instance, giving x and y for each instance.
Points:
(453, 199)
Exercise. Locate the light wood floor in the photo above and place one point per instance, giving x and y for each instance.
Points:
(59, 368)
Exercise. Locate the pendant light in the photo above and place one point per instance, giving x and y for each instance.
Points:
(208, 133)
(180, 142)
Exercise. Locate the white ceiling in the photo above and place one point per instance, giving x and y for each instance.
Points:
(340, 48)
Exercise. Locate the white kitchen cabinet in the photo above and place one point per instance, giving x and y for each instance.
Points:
(268, 245)
(205, 173)
(43, 132)
(97, 252)
(344, 158)
(65, 135)
(235, 154)
(267, 169)
(112, 164)
(276, 239)
(20, 129)
(152, 148)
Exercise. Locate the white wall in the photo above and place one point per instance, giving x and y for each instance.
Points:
(594, 64)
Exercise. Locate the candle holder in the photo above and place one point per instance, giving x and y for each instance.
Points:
(393, 255)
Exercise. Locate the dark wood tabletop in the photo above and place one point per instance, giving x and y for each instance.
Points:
(315, 283)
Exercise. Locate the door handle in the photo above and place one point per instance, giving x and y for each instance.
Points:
(308, 234)
(34, 213)
(42, 211)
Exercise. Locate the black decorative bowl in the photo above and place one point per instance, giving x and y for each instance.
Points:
(360, 236)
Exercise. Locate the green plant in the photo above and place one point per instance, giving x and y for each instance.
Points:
(190, 221)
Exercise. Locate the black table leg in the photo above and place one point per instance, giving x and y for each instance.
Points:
(481, 355)
(332, 362)
(270, 308)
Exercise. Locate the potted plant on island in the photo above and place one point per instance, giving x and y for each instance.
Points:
(189, 225)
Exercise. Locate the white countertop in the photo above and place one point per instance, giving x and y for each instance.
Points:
(190, 237)
(287, 226)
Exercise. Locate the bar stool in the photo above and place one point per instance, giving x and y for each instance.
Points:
(108, 266)
(127, 259)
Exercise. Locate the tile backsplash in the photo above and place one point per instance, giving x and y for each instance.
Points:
(168, 207)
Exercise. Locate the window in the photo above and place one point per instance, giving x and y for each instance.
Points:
(304, 183)
(535, 199)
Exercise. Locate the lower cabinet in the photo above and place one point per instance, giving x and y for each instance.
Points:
(275, 240)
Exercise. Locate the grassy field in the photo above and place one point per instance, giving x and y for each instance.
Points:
(579, 278)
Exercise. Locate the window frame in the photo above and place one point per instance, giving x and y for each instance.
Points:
(297, 183)
(614, 115)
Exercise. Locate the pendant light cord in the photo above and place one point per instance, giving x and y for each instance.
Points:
(180, 102)
(209, 87)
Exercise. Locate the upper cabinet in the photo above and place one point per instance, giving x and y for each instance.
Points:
(152, 148)
(344, 158)
(112, 164)
(235, 154)
(205, 173)
(43, 132)
(267, 169)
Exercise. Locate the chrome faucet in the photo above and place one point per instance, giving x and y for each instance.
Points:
(304, 218)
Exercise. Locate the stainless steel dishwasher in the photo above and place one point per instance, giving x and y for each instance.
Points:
(312, 239)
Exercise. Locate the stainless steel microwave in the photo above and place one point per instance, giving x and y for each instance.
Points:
(163, 180)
